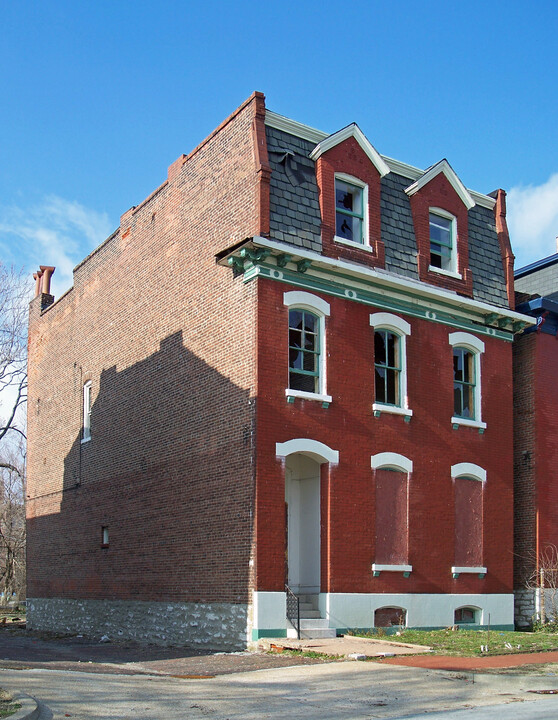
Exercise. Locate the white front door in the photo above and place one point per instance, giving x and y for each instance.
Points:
(302, 495)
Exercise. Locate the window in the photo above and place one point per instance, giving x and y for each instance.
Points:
(86, 433)
(351, 203)
(463, 383)
(390, 363)
(391, 475)
(387, 367)
(304, 351)
(443, 241)
(390, 617)
(306, 346)
(465, 615)
(104, 536)
(468, 481)
(467, 350)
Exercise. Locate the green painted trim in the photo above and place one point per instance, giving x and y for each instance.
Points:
(398, 628)
(348, 292)
(258, 634)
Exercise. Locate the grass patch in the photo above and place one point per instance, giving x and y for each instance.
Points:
(468, 643)
(7, 705)
(311, 654)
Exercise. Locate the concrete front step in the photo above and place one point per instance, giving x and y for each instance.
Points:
(312, 628)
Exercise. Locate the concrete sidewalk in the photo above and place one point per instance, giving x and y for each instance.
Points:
(347, 646)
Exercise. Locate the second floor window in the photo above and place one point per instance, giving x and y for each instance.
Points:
(304, 351)
(86, 433)
(463, 383)
(387, 367)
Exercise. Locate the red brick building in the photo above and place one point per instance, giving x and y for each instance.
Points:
(290, 365)
(536, 444)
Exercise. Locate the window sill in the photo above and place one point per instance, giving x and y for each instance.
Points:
(468, 423)
(380, 408)
(353, 244)
(318, 397)
(85, 440)
(446, 273)
(405, 569)
(457, 571)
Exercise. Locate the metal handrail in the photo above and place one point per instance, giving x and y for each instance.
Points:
(293, 610)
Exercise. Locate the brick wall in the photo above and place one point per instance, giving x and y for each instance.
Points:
(348, 425)
(168, 342)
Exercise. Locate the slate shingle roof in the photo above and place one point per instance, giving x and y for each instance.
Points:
(295, 218)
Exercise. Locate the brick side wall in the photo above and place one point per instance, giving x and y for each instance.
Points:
(168, 343)
(525, 458)
(348, 425)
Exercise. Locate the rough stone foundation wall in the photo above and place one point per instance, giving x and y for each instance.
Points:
(218, 626)
(525, 609)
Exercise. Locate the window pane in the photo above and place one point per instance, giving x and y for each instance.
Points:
(392, 387)
(392, 350)
(380, 347)
(295, 318)
(295, 338)
(344, 227)
(307, 383)
(380, 376)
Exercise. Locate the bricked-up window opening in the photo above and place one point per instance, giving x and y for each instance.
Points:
(387, 366)
(442, 242)
(390, 616)
(304, 351)
(468, 522)
(464, 615)
(349, 211)
(86, 434)
(104, 536)
(391, 517)
(464, 383)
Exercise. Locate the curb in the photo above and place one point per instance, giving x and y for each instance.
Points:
(29, 709)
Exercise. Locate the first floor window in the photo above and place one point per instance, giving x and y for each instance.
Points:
(391, 517)
(349, 211)
(304, 351)
(468, 522)
(86, 434)
(387, 367)
(463, 383)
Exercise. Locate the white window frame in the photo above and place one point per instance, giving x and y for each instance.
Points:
(298, 299)
(401, 328)
(86, 422)
(351, 180)
(452, 270)
(476, 348)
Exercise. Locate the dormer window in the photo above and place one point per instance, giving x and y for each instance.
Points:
(443, 241)
(350, 211)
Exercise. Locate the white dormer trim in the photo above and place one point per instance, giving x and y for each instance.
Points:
(443, 167)
(340, 136)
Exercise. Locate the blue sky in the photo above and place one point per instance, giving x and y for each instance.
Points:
(98, 99)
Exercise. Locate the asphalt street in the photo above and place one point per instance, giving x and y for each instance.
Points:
(338, 691)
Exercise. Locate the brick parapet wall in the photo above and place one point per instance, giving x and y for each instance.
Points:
(168, 342)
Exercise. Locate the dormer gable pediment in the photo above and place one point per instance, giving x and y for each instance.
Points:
(355, 132)
(446, 169)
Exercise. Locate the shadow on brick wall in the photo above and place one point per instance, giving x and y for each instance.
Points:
(167, 477)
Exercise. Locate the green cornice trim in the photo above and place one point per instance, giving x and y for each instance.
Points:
(342, 286)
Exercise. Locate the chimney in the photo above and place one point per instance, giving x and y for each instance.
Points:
(42, 285)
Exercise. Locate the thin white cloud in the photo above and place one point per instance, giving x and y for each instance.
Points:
(533, 220)
(55, 232)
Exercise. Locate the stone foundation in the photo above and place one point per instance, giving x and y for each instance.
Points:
(529, 606)
(217, 626)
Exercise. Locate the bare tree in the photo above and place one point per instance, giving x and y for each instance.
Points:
(13, 395)
(544, 581)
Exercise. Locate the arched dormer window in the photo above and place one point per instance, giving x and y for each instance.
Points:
(390, 364)
(306, 337)
(351, 211)
(443, 242)
(467, 397)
